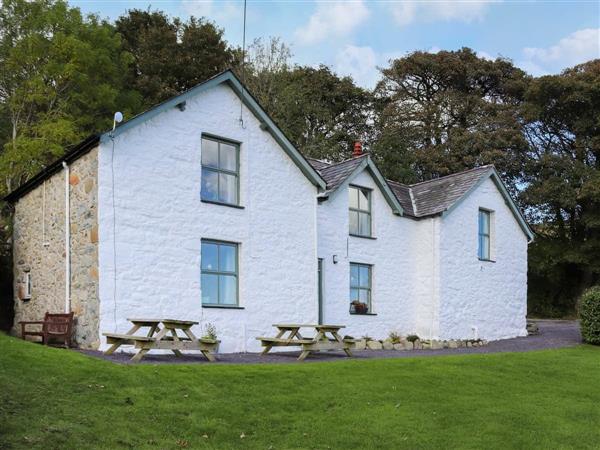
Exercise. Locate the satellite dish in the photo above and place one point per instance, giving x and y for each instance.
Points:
(118, 118)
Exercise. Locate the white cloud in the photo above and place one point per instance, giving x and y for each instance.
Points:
(407, 12)
(578, 47)
(220, 11)
(332, 19)
(358, 62)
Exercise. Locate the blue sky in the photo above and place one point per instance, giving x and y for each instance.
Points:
(355, 37)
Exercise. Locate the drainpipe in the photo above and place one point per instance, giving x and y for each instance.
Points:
(67, 241)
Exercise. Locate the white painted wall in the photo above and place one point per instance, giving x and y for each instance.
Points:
(160, 222)
(393, 271)
(491, 296)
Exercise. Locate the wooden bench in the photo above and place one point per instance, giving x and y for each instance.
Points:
(157, 339)
(319, 342)
(54, 326)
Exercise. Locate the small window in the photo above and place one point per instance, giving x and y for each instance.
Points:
(219, 278)
(360, 211)
(220, 171)
(484, 251)
(27, 286)
(360, 288)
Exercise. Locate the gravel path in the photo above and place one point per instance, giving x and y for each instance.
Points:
(553, 334)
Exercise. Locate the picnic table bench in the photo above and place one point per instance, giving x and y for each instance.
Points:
(289, 336)
(165, 338)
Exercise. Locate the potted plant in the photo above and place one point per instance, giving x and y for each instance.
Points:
(359, 307)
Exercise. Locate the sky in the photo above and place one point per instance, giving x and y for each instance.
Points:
(355, 37)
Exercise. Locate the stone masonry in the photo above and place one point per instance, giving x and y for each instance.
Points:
(39, 248)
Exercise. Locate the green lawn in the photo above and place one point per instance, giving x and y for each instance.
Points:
(53, 398)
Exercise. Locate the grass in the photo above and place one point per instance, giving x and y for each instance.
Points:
(59, 399)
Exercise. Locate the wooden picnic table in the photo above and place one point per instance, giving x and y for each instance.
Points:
(289, 336)
(162, 335)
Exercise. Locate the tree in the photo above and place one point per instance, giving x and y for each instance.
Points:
(445, 112)
(320, 112)
(169, 55)
(60, 79)
(562, 185)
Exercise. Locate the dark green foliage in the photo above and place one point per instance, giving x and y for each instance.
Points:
(169, 55)
(589, 315)
(561, 181)
(445, 112)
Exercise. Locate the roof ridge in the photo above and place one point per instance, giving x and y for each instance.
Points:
(354, 158)
(487, 166)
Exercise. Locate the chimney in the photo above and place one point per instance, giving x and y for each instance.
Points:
(357, 149)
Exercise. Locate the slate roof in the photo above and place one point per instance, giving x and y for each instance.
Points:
(424, 199)
(335, 174)
(437, 195)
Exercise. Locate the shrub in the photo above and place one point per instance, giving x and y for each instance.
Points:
(589, 315)
(210, 332)
(394, 337)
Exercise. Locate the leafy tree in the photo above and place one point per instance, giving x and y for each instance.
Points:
(445, 112)
(60, 79)
(169, 55)
(562, 185)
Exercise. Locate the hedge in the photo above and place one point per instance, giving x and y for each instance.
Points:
(589, 315)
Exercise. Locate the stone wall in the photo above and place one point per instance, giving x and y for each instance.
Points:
(39, 248)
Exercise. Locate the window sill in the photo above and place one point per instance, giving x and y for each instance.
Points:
(363, 237)
(222, 307)
(487, 260)
(362, 314)
(213, 202)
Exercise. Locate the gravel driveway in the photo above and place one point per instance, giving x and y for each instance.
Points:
(553, 334)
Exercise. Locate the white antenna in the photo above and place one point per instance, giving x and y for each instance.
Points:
(118, 118)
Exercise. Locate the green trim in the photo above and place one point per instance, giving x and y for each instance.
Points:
(320, 289)
(218, 170)
(235, 84)
(369, 289)
(220, 273)
(362, 211)
(213, 202)
(380, 181)
(485, 234)
(373, 238)
(217, 306)
(493, 174)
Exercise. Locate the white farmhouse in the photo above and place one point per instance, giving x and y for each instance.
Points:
(201, 209)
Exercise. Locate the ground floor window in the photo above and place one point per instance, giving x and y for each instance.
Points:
(360, 288)
(219, 278)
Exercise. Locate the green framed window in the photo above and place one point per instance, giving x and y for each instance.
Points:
(219, 273)
(220, 171)
(484, 247)
(360, 211)
(360, 288)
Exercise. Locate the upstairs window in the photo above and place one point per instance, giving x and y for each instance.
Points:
(360, 211)
(484, 251)
(219, 279)
(220, 171)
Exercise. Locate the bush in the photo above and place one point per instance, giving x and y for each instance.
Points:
(589, 315)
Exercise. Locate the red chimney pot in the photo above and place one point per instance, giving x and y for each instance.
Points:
(357, 149)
